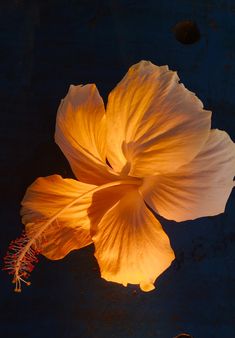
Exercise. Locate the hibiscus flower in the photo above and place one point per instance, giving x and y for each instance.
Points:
(152, 150)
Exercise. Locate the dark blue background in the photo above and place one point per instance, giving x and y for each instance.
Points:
(44, 47)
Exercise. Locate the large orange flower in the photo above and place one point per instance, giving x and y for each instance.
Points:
(153, 146)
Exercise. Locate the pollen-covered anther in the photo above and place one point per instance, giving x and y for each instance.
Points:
(20, 260)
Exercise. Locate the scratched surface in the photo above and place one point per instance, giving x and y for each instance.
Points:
(44, 47)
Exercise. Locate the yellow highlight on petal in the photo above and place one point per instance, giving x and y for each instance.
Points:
(145, 286)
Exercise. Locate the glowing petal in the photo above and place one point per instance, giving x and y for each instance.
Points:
(71, 230)
(131, 246)
(81, 134)
(200, 188)
(155, 125)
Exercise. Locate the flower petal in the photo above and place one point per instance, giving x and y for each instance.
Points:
(200, 188)
(154, 124)
(131, 246)
(71, 230)
(81, 134)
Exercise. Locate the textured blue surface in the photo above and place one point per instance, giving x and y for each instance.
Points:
(46, 46)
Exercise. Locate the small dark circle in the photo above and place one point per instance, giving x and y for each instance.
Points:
(187, 32)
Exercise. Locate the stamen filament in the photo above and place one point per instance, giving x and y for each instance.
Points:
(26, 252)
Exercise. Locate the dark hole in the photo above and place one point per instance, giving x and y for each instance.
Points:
(187, 32)
(107, 162)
